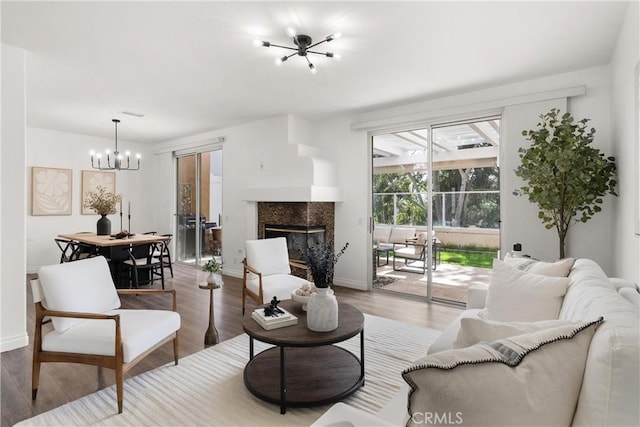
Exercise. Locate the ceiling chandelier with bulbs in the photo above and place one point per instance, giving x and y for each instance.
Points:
(303, 45)
(118, 159)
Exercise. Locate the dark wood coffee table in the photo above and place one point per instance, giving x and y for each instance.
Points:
(304, 369)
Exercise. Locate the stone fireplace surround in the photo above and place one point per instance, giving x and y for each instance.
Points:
(304, 214)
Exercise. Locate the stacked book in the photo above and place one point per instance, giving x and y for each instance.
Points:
(274, 322)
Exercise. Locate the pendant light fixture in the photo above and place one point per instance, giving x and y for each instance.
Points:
(119, 160)
(303, 45)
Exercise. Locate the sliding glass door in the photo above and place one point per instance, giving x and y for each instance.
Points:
(439, 184)
(199, 207)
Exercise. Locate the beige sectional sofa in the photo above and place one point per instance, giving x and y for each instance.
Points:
(609, 390)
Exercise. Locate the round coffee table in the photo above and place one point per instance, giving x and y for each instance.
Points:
(304, 369)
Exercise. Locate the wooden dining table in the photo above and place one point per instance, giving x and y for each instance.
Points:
(114, 249)
(109, 241)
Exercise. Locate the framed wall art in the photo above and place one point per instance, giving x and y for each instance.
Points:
(51, 191)
(92, 180)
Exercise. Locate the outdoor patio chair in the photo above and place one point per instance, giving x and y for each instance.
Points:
(416, 250)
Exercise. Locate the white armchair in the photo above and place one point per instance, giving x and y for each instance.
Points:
(82, 303)
(267, 271)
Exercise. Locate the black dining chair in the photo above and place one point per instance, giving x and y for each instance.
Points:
(142, 261)
(71, 250)
(165, 254)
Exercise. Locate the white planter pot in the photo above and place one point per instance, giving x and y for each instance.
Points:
(322, 311)
(214, 279)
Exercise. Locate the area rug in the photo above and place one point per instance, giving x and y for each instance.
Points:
(207, 387)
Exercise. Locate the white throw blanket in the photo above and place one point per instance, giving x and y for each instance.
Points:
(207, 387)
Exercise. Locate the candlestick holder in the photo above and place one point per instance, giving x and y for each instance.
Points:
(129, 224)
(120, 220)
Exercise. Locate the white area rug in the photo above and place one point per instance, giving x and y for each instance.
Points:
(207, 387)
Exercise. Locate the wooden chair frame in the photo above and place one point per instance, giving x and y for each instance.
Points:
(112, 362)
(246, 292)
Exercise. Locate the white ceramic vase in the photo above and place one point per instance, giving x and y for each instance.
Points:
(214, 279)
(322, 311)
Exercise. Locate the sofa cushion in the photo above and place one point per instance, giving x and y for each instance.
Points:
(516, 296)
(402, 234)
(474, 330)
(611, 384)
(381, 234)
(83, 286)
(560, 268)
(531, 379)
(448, 336)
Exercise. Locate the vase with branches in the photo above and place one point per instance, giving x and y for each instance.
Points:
(322, 308)
(320, 259)
(104, 203)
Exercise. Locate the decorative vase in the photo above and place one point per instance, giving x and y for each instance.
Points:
(322, 311)
(214, 279)
(103, 226)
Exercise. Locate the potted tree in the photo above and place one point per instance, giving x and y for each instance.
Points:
(565, 176)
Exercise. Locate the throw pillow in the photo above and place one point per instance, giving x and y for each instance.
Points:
(474, 330)
(532, 379)
(560, 268)
(516, 296)
(421, 241)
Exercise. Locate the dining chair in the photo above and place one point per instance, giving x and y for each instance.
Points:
(79, 319)
(165, 254)
(73, 251)
(143, 259)
(267, 271)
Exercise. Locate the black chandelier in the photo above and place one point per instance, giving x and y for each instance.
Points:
(303, 45)
(118, 159)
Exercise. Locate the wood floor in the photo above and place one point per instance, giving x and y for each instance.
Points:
(61, 382)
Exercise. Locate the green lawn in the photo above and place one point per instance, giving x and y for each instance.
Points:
(468, 256)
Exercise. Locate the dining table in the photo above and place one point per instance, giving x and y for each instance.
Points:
(114, 248)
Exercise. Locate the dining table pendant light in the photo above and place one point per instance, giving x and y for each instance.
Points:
(119, 161)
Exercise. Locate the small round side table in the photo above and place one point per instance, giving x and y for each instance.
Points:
(211, 336)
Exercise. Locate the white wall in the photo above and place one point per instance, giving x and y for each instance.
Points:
(245, 149)
(624, 116)
(47, 148)
(13, 302)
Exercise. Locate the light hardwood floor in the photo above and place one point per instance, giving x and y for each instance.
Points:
(62, 382)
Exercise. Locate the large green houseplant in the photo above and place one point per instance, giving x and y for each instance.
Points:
(565, 176)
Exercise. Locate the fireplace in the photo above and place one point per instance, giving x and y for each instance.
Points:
(303, 235)
(305, 220)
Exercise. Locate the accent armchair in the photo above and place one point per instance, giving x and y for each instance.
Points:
(81, 302)
(267, 271)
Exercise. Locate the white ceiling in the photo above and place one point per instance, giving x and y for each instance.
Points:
(191, 67)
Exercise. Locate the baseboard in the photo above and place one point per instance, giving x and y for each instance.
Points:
(361, 286)
(233, 273)
(16, 341)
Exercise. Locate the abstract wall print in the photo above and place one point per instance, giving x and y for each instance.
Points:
(91, 180)
(50, 191)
